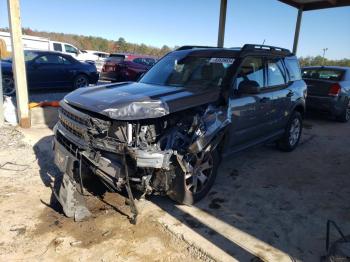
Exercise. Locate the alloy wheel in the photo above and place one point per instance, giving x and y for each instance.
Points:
(8, 86)
(81, 81)
(201, 170)
(294, 132)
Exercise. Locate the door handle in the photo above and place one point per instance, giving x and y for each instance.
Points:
(290, 94)
(264, 99)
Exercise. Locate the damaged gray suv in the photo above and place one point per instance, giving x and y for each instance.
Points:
(167, 132)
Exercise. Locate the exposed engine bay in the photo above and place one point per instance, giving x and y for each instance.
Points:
(146, 154)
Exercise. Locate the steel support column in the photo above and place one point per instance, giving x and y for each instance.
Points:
(297, 30)
(222, 23)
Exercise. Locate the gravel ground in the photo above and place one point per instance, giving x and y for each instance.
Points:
(31, 230)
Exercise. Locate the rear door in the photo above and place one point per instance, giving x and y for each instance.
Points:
(279, 92)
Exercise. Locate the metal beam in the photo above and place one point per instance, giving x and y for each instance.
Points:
(297, 30)
(222, 23)
(18, 64)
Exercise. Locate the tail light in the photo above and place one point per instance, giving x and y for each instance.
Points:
(334, 90)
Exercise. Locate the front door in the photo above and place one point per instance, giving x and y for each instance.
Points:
(47, 71)
(249, 112)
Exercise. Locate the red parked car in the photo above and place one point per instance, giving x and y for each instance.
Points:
(126, 67)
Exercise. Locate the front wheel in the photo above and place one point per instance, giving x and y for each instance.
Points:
(80, 81)
(292, 134)
(8, 85)
(190, 187)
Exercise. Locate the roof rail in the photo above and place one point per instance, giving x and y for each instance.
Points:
(275, 49)
(186, 47)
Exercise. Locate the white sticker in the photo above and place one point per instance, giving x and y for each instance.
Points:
(221, 60)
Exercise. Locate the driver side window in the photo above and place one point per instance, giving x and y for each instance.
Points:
(251, 73)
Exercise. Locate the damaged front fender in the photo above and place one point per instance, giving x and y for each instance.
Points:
(214, 123)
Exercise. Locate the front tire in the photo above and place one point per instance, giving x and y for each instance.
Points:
(291, 137)
(8, 85)
(188, 188)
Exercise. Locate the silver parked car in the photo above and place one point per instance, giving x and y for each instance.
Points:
(328, 90)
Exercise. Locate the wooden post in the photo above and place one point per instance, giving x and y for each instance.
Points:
(297, 31)
(222, 23)
(18, 64)
(1, 100)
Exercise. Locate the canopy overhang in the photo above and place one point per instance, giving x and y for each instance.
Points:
(308, 5)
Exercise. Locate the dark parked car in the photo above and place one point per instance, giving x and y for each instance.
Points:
(47, 69)
(328, 89)
(167, 132)
(126, 67)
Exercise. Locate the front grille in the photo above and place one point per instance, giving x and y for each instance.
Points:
(71, 127)
(75, 118)
(71, 147)
(94, 131)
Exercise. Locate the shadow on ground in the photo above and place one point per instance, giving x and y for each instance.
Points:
(282, 199)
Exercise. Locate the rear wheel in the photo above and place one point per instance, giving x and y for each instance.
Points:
(192, 186)
(292, 135)
(345, 115)
(80, 81)
(8, 85)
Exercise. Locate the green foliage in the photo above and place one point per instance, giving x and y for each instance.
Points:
(99, 43)
(318, 60)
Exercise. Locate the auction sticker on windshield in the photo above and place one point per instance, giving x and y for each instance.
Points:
(221, 60)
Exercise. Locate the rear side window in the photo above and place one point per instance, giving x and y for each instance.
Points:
(323, 74)
(252, 70)
(57, 47)
(276, 74)
(293, 69)
(70, 49)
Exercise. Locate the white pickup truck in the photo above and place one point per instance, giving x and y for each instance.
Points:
(42, 43)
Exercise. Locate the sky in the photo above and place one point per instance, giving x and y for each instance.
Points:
(183, 22)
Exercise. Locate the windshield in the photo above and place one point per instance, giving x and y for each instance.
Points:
(178, 69)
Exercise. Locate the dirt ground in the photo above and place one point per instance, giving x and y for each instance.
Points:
(281, 199)
(31, 230)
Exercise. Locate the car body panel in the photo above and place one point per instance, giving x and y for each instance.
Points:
(122, 67)
(130, 101)
(54, 75)
(318, 91)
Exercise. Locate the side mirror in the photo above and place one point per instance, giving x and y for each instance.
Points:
(248, 87)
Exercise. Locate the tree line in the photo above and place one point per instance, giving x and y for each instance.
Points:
(318, 60)
(99, 43)
(122, 46)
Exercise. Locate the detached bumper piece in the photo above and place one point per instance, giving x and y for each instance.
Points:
(71, 200)
(70, 194)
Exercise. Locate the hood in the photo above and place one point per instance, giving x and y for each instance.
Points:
(133, 101)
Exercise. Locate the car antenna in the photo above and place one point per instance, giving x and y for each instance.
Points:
(263, 42)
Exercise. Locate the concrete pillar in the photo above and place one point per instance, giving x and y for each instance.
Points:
(222, 23)
(18, 64)
(297, 31)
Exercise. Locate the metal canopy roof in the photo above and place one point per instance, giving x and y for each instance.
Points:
(307, 5)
